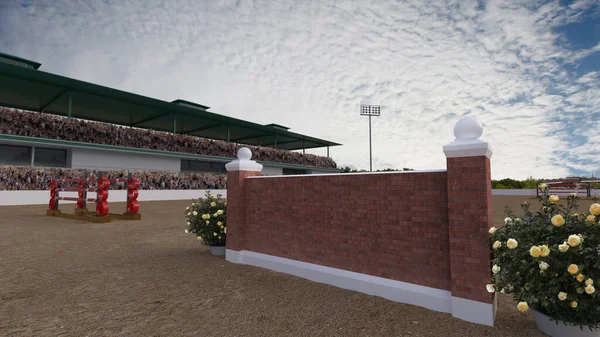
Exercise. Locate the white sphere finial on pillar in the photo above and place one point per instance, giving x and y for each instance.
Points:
(467, 143)
(243, 162)
(244, 153)
(468, 128)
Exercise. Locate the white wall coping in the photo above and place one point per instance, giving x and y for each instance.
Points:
(468, 148)
(346, 174)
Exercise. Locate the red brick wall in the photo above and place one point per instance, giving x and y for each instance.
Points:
(236, 207)
(391, 225)
(470, 218)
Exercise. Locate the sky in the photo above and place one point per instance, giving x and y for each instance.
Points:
(528, 70)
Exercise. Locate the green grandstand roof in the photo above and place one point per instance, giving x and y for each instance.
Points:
(19, 61)
(277, 126)
(192, 104)
(30, 89)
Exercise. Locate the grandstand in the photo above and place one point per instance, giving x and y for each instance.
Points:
(53, 121)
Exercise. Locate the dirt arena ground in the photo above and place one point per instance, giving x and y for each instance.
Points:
(62, 277)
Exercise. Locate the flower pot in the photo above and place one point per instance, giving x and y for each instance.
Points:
(552, 329)
(217, 250)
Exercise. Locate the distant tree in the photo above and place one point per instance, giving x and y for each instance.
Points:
(531, 183)
(349, 170)
(508, 183)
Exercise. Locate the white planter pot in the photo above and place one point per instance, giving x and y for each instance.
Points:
(217, 250)
(561, 330)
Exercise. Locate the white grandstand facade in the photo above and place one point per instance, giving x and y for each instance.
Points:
(25, 151)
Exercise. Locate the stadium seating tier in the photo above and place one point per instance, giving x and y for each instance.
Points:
(41, 125)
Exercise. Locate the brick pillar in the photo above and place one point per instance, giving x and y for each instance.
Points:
(470, 217)
(237, 172)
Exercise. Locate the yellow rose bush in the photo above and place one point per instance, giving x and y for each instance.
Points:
(206, 219)
(548, 261)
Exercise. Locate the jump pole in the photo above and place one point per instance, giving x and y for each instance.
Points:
(82, 200)
(132, 208)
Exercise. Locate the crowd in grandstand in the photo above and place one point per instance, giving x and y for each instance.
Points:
(41, 125)
(38, 178)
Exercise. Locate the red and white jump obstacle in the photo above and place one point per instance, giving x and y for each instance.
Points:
(102, 184)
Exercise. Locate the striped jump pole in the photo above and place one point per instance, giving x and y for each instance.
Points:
(102, 185)
(74, 180)
(76, 189)
(76, 199)
(99, 185)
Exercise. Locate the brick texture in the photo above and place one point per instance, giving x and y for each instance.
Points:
(425, 228)
(236, 208)
(387, 225)
(470, 217)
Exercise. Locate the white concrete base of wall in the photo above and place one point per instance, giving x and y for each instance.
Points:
(11, 198)
(430, 298)
(473, 311)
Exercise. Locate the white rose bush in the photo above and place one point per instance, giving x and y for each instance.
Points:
(206, 219)
(550, 260)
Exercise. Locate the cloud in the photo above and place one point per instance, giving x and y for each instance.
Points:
(308, 65)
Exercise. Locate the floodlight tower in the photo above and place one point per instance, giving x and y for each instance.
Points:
(370, 110)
